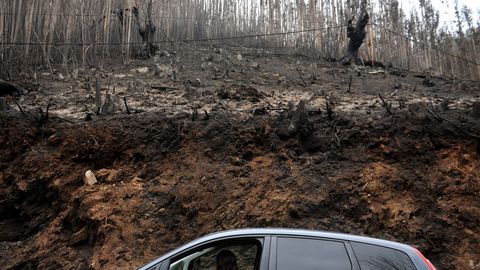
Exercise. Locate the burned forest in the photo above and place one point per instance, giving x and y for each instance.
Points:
(129, 128)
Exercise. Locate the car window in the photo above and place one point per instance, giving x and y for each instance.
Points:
(373, 257)
(244, 256)
(311, 254)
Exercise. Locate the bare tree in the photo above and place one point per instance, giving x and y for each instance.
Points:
(146, 29)
(356, 35)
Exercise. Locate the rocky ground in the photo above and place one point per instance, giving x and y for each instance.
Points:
(219, 138)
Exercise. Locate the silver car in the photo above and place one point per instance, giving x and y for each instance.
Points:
(289, 249)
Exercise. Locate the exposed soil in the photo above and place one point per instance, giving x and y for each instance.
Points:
(167, 176)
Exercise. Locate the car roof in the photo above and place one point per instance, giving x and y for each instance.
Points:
(302, 233)
(283, 232)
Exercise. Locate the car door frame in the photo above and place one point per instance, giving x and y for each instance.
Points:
(274, 241)
(265, 242)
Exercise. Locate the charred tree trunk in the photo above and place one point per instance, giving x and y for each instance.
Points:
(147, 33)
(357, 35)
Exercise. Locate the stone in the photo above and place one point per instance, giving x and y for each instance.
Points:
(89, 178)
(119, 76)
(239, 57)
(255, 65)
(109, 176)
(206, 65)
(163, 71)
(164, 54)
(61, 77)
(142, 70)
(131, 86)
(80, 236)
(196, 83)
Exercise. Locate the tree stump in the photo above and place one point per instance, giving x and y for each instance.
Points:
(3, 104)
(299, 119)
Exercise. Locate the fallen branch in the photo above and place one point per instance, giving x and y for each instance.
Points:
(435, 115)
(20, 108)
(462, 130)
(126, 106)
(164, 87)
(420, 76)
(386, 105)
(301, 77)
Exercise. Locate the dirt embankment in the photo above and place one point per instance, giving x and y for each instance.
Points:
(165, 177)
(164, 181)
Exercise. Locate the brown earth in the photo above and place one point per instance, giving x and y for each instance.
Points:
(166, 178)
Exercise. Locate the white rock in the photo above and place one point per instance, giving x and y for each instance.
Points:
(163, 71)
(119, 76)
(60, 77)
(164, 54)
(89, 178)
(197, 82)
(239, 57)
(142, 70)
(205, 65)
